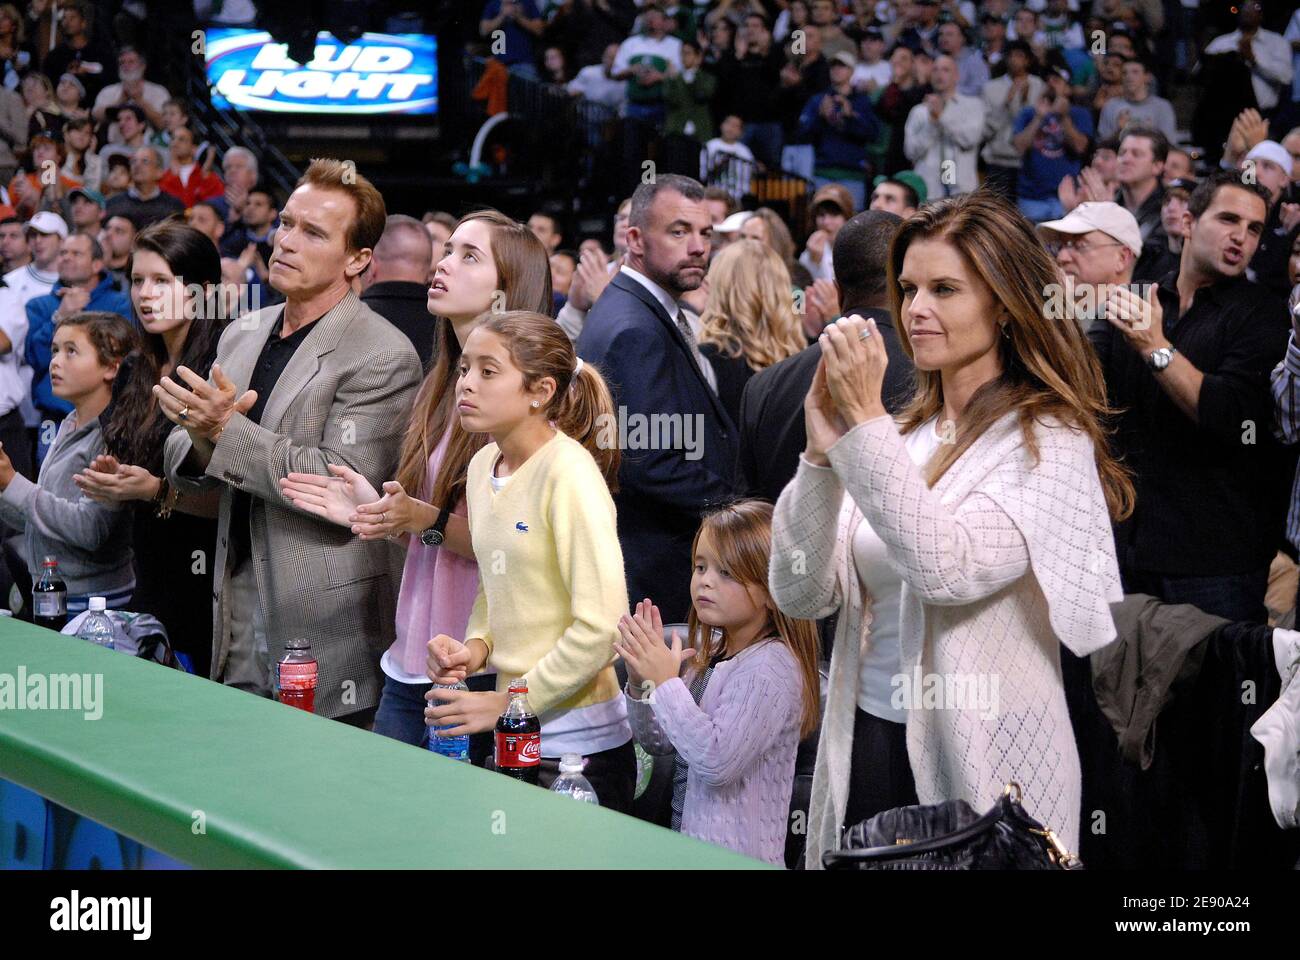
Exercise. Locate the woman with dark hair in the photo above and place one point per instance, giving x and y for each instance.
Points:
(966, 539)
(175, 275)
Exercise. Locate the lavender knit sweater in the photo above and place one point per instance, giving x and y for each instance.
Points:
(739, 744)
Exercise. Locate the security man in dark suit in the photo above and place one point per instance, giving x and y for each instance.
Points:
(679, 444)
(771, 409)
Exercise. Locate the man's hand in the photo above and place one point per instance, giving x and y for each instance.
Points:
(1139, 319)
(72, 300)
(205, 408)
(589, 281)
(934, 103)
(7, 471)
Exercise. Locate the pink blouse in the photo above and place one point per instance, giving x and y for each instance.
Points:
(437, 592)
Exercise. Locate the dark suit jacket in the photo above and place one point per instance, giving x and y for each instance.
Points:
(772, 431)
(676, 465)
(406, 306)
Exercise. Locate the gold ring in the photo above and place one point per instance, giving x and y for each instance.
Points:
(865, 332)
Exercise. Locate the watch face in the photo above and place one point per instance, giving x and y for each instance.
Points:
(431, 538)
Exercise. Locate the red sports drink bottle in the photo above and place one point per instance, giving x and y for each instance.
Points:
(295, 676)
(519, 737)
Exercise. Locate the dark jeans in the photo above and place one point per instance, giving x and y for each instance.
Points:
(1234, 596)
(400, 715)
(611, 773)
(880, 777)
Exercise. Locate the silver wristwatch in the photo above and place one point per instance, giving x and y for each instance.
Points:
(1159, 359)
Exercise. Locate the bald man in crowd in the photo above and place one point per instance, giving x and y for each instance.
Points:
(396, 285)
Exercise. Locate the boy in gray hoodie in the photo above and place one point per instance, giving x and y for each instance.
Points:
(91, 540)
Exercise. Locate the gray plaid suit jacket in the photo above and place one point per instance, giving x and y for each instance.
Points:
(345, 398)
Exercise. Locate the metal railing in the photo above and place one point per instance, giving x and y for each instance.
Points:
(225, 128)
(584, 150)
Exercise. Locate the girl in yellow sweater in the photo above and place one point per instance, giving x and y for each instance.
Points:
(551, 587)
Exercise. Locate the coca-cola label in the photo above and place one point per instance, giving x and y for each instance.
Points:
(298, 676)
(519, 749)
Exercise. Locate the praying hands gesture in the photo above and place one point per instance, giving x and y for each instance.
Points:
(205, 408)
(650, 662)
(855, 360)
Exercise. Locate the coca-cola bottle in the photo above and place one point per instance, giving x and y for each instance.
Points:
(295, 676)
(519, 737)
(50, 597)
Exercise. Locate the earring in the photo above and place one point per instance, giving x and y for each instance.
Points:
(536, 404)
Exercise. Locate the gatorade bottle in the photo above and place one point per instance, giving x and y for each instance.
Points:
(295, 676)
(519, 737)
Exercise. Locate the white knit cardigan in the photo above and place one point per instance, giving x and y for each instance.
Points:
(999, 561)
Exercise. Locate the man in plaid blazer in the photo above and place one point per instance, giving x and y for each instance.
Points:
(320, 379)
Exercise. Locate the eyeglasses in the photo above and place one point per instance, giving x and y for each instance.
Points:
(1077, 246)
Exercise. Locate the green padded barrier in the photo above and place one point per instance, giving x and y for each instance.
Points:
(218, 778)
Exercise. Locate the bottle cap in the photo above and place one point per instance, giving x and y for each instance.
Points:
(519, 685)
(297, 643)
(49, 562)
(97, 604)
(571, 763)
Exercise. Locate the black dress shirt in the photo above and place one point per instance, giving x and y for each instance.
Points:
(271, 363)
(1208, 499)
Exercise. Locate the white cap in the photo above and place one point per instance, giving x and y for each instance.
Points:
(734, 222)
(47, 221)
(97, 604)
(1105, 215)
(1271, 150)
(571, 763)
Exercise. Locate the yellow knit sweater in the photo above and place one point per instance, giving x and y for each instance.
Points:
(551, 587)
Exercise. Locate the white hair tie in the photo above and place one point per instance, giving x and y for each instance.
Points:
(577, 369)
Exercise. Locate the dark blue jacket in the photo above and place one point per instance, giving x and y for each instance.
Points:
(40, 336)
(662, 492)
(844, 142)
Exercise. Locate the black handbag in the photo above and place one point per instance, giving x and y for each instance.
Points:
(952, 836)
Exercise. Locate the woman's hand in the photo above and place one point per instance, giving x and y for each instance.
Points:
(335, 498)
(644, 651)
(392, 514)
(646, 621)
(449, 660)
(855, 368)
(464, 710)
(822, 422)
(107, 481)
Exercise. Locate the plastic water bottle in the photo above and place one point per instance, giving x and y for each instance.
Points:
(457, 748)
(96, 628)
(571, 783)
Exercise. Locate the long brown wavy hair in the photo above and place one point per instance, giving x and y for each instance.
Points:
(581, 405)
(741, 536)
(1048, 366)
(524, 281)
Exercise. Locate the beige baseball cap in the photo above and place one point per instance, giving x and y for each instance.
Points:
(1107, 216)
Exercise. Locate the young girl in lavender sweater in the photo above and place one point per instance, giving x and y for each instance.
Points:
(746, 698)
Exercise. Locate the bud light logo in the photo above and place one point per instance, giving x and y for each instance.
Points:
(377, 73)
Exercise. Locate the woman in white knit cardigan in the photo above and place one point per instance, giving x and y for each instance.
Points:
(1002, 538)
